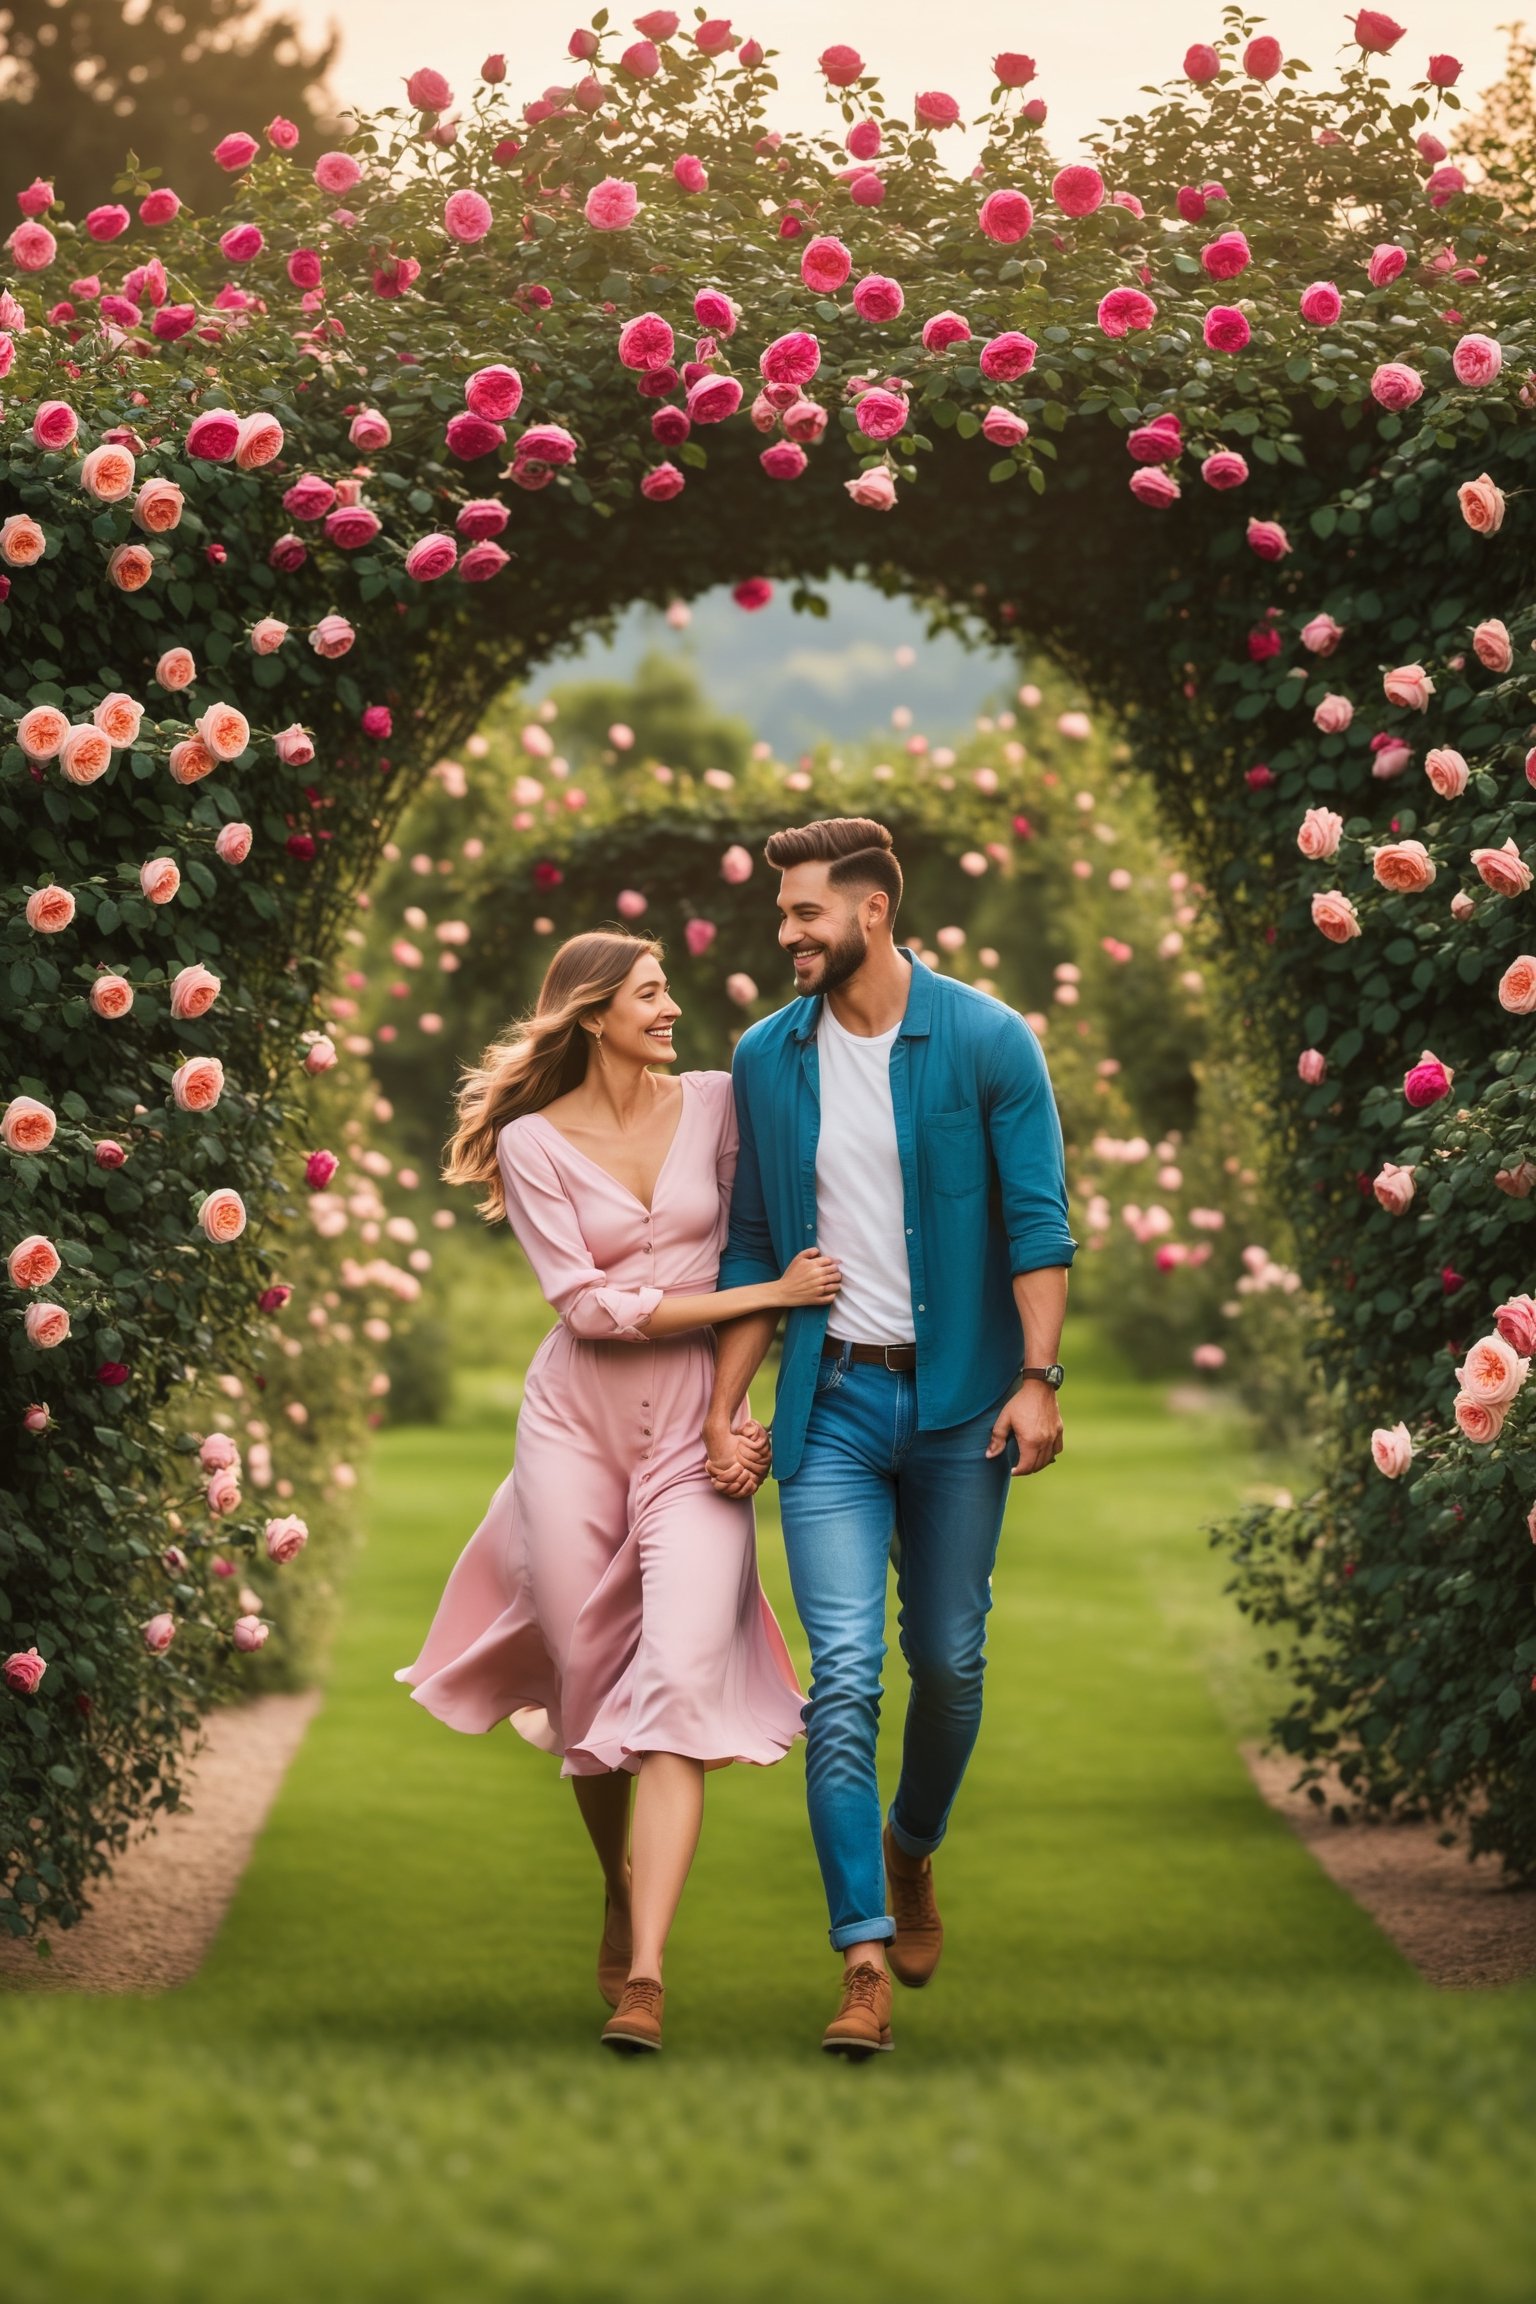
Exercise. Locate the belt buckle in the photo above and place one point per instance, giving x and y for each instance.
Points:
(885, 1353)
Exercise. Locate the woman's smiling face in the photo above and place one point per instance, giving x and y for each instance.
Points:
(637, 1022)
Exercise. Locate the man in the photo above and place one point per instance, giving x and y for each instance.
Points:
(904, 1124)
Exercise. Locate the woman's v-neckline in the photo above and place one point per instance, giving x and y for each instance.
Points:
(648, 1206)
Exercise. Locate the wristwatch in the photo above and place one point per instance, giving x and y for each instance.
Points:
(1054, 1375)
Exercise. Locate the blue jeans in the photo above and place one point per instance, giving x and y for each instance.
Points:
(868, 1473)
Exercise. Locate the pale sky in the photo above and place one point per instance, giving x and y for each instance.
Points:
(1093, 58)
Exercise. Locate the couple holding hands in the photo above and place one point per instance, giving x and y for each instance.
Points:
(884, 1165)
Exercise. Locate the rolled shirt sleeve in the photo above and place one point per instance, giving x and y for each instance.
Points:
(1024, 1129)
(541, 1214)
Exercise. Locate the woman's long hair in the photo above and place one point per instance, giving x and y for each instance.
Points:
(543, 1057)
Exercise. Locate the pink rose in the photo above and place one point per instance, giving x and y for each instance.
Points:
(1444, 185)
(237, 150)
(233, 844)
(804, 420)
(1447, 772)
(1334, 914)
(1268, 539)
(1312, 1067)
(158, 1633)
(369, 430)
(1408, 685)
(1391, 1450)
(1387, 260)
(1319, 834)
(1376, 33)
(1333, 715)
(159, 879)
(377, 721)
(173, 321)
(1224, 468)
(107, 474)
(1396, 386)
(1262, 57)
(470, 437)
(37, 199)
(612, 205)
(741, 989)
(1462, 906)
(1492, 646)
(1005, 216)
(1492, 1371)
(785, 460)
(46, 1325)
(881, 415)
(865, 189)
(227, 733)
(931, 108)
(481, 562)
(841, 65)
(1393, 1187)
(1321, 304)
(546, 444)
(197, 1085)
(878, 299)
(1477, 360)
(1003, 428)
(752, 593)
(242, 243)
(713, 309)
(222, 1215)
(309, 497)
(111, 997)
(33, 1262)
(1502, 869)
(1482, 505)
(286, 1539)
(482, 516)
(320, 1055)
(1515, 1321)
(222, 1493)
(645, 342)
(319, 1168)
(352, 527)
(1427, 1081)
(55, 425)
(1517, 986)
(1389, 756)
(260, 442)
(1160, 442)
(1151, 485)
(792, 359)
(85, 754)
(294, 746)
(50, 910)
(249, 1633)
(1124, 309)
(875, 490)
(214, 435)
(332, 636)
(944, 329)
(690, 173)
(26, 1125)
(711, 399)
(736, 865)
(109, 222)
(496, 392)
(1404, 866)
(1226, 256)
(1202, 64)
(1321, 635)
(1226, 329)
(219, 1453)
(41, 732)
(1006, 357)
(1078, 190)
(24, 1669)
(698, 935)
(662, 483)
(33, 246)
(267, 635)
(431, 557)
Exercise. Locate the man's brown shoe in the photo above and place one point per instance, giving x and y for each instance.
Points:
(634, 2028)
(919, 1931)
(613, 1955)
(862, 2025)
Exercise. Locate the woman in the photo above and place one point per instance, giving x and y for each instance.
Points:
(609, 1603)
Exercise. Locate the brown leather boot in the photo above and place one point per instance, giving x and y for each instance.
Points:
(613, 1955)
(862, 2025)
(914, 1955)
(634, 2029)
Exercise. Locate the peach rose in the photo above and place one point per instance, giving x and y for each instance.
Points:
(286, 1539)
(1518, 1181)
(194, 990)
(225, 731)
(1481, 501)
(85, 754)
(131, 567)
(190, 760)
(219, 1453)
(1492, 646)
(26, 1125)
(1502, 869)
(1447, 771)
(222, 1215)
(1319, 834)
(42, 731)
(1391, 1449)
(108, 473)
(233, 844)
(197, 1085)
(222, 1492)
(1479, 1420)
(47, 1325)
(1515, 1320)
(177, 669)
(1333, 715)
(1517, 986)
(1334, 914)
(1409, 685)
(119, 718)
(1321, 635)
(260, 441)
(158, 1632)
(1404, 866)
(1393, 1187)
(49, 910)
(22, 542)
(332, 636)
(33, 1262)
(111, 997)
(158, 507)
(267, 635)
(159, 879)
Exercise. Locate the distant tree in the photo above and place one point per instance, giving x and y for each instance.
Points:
(667, 712)
(83, 81)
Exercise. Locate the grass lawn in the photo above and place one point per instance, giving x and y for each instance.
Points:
(1164, 2058)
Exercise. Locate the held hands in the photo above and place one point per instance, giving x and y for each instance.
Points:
(1032, 1418)
(811, 1279)
(738, 1461)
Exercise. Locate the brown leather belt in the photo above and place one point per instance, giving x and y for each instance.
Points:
(901, 1359)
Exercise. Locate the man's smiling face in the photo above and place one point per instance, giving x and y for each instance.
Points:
(822, 928)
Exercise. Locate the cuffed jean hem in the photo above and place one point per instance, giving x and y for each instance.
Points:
(880, 1931)
(916, 1849)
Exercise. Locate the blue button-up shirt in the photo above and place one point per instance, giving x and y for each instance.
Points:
(983, 1189)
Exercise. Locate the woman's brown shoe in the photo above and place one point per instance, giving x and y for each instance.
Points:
(862, 2025)
(613, 1955)
(634, 2029)
(919, 1931)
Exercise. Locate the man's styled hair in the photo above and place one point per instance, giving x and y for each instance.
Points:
(857, 850)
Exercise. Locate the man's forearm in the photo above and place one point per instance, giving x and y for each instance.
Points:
(1042, 1301)
(740, 1349)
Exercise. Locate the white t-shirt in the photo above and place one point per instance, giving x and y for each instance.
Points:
(860, 1207)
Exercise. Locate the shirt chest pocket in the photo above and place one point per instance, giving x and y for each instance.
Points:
(954, 1153)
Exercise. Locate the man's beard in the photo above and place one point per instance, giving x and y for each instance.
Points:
(839, 962)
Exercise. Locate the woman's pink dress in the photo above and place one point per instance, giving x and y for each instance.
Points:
(609, 1603)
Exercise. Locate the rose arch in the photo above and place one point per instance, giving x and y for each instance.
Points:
(1234, 422)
